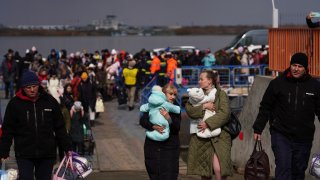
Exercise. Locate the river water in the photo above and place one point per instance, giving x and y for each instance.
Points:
(131, 44)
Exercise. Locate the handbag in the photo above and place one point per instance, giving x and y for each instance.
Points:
(233, 126)
(315, 166)
(81, 165)
(257, 167)
(12, 174)
(65, 170)
(99, 105)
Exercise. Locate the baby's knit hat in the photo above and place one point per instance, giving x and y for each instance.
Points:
(157, 88)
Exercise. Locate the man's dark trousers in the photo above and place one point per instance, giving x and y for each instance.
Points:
(291, 157)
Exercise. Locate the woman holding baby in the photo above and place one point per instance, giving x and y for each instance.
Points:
(212, 155)
(162, 157)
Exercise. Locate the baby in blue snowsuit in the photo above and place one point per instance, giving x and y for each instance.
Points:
(156, 101)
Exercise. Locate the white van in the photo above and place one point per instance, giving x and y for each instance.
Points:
(255, 37)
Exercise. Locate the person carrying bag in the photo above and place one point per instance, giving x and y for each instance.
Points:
(257, 167)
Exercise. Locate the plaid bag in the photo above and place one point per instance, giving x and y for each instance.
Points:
(315, 166)
(65, 170)
(81, 165)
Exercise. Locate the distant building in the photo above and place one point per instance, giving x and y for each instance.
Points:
(110, 22)
(42, 27)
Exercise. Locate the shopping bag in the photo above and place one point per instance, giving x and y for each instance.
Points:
(3, 172)
(81, 165)
(257, 167)
(65, 170)
(12, 174)
(92, 114)
(315, 166)
(99, 105)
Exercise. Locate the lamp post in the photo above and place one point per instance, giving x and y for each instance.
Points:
(275, 15)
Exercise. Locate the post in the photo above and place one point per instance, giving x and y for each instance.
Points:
(275, 15)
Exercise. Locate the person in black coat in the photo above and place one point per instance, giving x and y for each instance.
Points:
(310, 23)
(290, 104)
(162, 157)
(34, 121)
(87, 96)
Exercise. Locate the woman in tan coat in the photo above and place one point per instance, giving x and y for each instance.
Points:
(208, 156)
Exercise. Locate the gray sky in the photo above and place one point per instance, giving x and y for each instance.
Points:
(154, 12)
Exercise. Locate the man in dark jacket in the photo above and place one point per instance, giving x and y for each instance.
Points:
(34, 121)
(290, 103)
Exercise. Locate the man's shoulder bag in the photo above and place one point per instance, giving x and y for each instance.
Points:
(257, 167)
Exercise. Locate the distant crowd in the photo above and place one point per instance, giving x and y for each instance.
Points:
(109, 70)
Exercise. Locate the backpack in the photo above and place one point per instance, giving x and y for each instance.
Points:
(233, 126)
(257, 167)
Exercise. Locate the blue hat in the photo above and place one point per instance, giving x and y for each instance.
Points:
(29, 78)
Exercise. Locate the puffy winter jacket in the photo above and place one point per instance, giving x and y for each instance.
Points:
(291, 105)
(36, 127)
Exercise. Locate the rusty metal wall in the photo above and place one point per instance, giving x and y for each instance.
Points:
(284, 42)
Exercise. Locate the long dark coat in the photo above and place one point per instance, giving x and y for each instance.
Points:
(87, 92)
(162, 157)
(76, 130)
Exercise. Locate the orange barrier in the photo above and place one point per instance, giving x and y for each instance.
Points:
(284, 42)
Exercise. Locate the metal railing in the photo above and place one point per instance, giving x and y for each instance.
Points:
(230, 77)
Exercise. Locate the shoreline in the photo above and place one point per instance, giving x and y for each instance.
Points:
(183, 31)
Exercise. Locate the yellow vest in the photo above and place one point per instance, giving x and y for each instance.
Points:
(130, 76)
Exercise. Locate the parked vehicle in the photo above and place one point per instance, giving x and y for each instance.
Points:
(251, 38)
(174, 49)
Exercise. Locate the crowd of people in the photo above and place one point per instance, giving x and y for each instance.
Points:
(110, 69)
(80, 81)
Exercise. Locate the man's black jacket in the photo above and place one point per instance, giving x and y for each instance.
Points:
(36, 127)
(291, 105)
